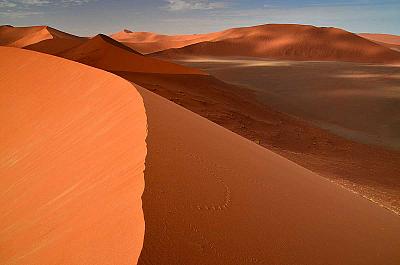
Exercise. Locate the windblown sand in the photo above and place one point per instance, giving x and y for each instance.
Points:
(71, 163)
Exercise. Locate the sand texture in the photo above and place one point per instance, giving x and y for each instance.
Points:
(213, 197)
(71, 163)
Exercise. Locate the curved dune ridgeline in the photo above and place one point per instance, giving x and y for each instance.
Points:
(71, 163)
(289, 42)
(149, 42)
(105, 53)
(388, 40)
(25, 36)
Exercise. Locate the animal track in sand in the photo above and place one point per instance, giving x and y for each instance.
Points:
(218, 206)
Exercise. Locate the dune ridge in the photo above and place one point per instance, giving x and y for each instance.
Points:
(235, 202)
(290, 42)
(24, 36)
(105, 53)
(72, 160)
(385, 38)
(149, 42)
(388, 40)
(100, 51)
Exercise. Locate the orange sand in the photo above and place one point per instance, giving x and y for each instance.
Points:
(107, 54)
(71, 163)
(390, 41)
(148, 42)
(385, 38)
(213, 197)
(294, 42)
(24, 36)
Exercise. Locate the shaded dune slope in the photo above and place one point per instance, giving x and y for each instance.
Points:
(291, 42)
(71, 163)
(55, 46)
(213, 197)
(107, 54)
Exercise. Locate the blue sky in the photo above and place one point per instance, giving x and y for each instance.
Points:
(89, 17)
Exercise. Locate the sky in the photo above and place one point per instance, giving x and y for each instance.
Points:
(90, 17)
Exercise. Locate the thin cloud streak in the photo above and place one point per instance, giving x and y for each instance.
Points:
(179, 5)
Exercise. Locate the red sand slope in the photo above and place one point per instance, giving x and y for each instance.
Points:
(24, 36)
(213, 197)
(391, 41)
(105, 53)
(71, 163)
(292, 42)
(55, 46)
(385, 38)
(148, 42)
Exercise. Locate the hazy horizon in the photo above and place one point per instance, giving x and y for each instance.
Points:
(90, 17)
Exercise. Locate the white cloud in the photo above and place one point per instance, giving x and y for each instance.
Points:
(7, 4)
(26, 4)
(19, 14)
(67, 3)
(177, 5)
(35, 2)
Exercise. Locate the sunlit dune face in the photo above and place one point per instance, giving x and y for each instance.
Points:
(71, 163)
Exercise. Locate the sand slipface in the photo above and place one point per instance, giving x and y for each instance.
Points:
(105, 53)
(71, 163)
(213, 197)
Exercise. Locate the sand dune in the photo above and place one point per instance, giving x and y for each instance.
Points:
(71, 163)
(105, 53)
(385, 38)
(294, 42)
(148, 42)
(55, 46)
(24, 36)
(337, 119)
(390, 41)
(213, 197)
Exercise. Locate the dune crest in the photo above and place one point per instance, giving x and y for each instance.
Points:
(149, 42)
(105, 53)
(290, 42)
(388, 40)
(71, 163)
(385, 38)
(20, 37)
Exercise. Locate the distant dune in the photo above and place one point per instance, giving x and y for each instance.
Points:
(148, 42)
(25, 36)
(391, 41)
(213, 197)
(71, 163)
(291, 42)
(105, 53)
(100, 51)
(385, 38)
